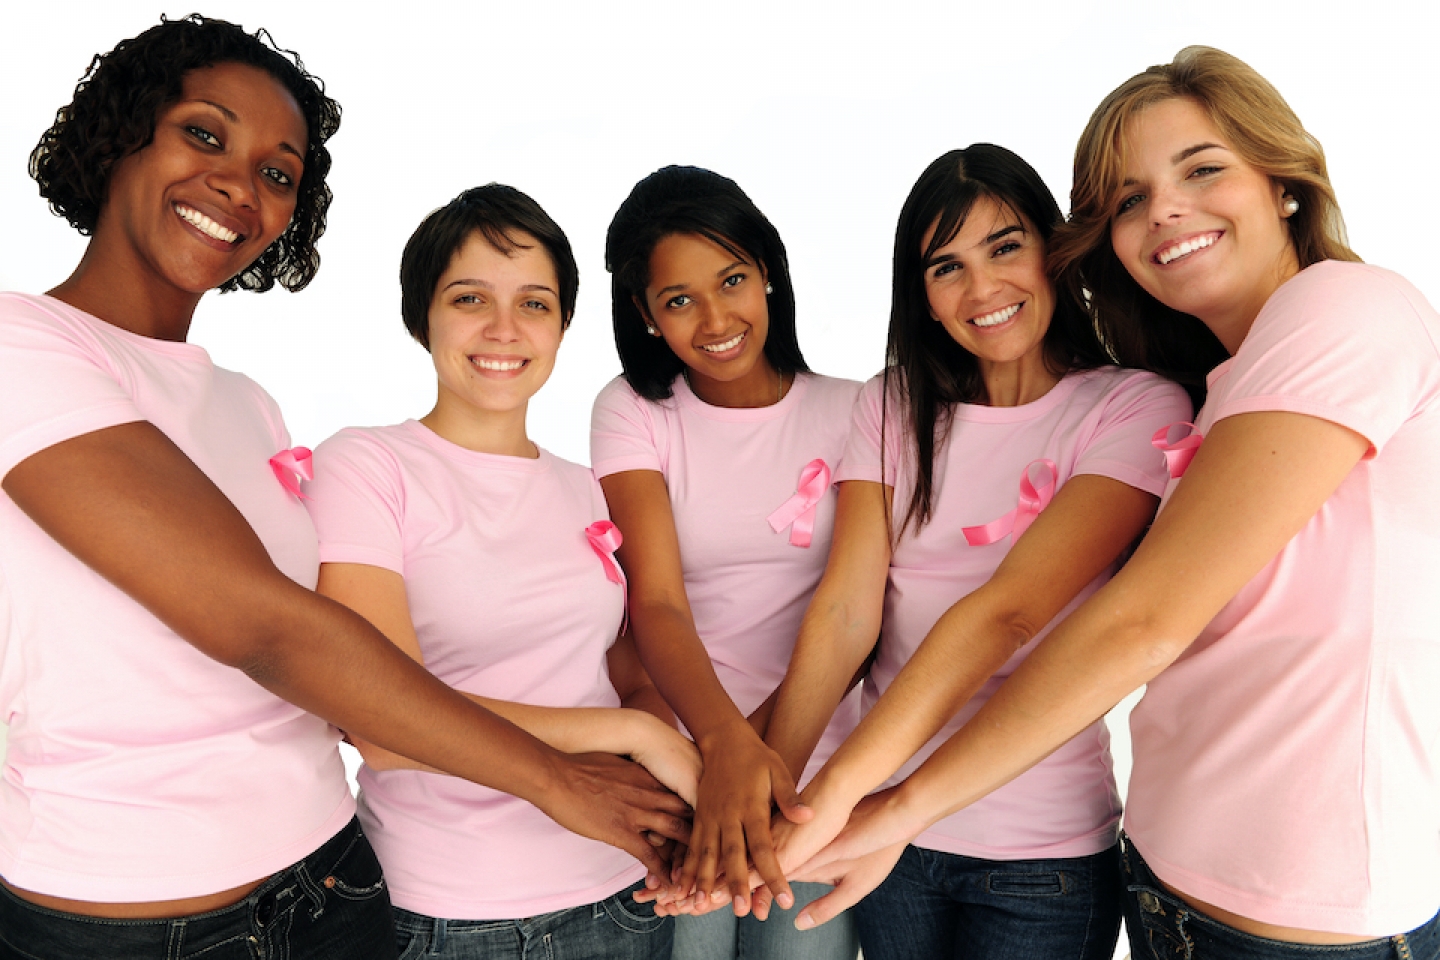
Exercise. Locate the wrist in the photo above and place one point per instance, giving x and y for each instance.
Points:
(909, 809)
(725, 735)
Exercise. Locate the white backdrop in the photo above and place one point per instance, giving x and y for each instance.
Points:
(825, 114)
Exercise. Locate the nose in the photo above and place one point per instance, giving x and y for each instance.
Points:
(1167, 203)
(712, 318)
(984, 282)
(502, 325)
(235, 180)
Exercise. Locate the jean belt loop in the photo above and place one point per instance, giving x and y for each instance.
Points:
(438, 931)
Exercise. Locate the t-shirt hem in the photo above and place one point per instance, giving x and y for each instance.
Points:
(1100, 839)
(369, 556)
(114, 888)
(1289, 911)
(604, 468)
(1123, 473)
(73, 424)
(1349, 419)
(470, 909)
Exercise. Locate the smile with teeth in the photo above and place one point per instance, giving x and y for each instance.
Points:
(730, 344)
(205, 225)
(501, 366)
(1184, 248)
(998, 317)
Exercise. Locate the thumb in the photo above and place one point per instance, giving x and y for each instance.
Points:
(782, 787)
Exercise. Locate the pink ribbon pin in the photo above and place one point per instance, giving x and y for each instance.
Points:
(1033, 498)
(605, 539)
(1179, 442)
(291, 466)
(798, 513)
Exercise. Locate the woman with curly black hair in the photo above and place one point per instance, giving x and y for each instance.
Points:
(167, 790)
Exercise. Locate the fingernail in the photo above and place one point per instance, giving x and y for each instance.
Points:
(785, 900)
(652, 882)
(804, 921)
(717, 896)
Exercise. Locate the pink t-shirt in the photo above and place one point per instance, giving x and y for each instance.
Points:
(509, 601)
(727, 470)
(139, 768)
(1092, 422)
(1285, 764)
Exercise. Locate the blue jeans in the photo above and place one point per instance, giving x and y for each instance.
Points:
(1163, 927)
(937, 905)
(330, 906)
(720, 935)
(616, 928)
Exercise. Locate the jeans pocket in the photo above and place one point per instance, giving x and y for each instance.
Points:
(629, 915)
(411, 944)
(357, 874)
(1044, 883)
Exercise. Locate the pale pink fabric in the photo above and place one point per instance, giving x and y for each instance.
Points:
(727, 471)
(1095, 422)
(509, 601)
(1285, 765)
(139, 768)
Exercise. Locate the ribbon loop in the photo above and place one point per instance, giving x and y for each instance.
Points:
(798, 513)
(605, 539)
(1179, 442)
(291, 466)
(1035, 496)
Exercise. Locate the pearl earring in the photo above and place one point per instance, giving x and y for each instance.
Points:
(653, 331)
(769, 288)
(1291, 206)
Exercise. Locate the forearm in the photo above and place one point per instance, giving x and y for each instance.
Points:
(680, 667)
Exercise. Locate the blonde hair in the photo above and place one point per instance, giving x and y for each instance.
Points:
(1259, 127)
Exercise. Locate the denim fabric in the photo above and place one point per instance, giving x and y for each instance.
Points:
(1162, 927)
(721, 935)
(330, 906)
(938, 905)
(616, 928)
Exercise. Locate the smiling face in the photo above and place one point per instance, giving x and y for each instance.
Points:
(988, 287)
(710, 307)
(495, 328)
(212, 191)
(1199, 228)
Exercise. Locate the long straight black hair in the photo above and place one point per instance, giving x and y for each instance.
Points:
(691, 200)
(924, 365)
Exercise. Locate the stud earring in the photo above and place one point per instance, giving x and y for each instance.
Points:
(769, 288)
(1291, 206)
(653, 331)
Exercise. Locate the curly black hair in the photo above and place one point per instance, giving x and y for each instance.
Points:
(114, 112)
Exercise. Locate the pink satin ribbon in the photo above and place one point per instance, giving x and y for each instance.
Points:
(605, 539)
(1033, 499)
(291, 466)
(798, 513)
(1180, 450)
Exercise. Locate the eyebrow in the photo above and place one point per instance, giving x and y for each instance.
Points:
(230, 115)
(1189, 152)
(678, 287)
(486, 284)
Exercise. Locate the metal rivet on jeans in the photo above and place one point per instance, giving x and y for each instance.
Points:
(1150, 903)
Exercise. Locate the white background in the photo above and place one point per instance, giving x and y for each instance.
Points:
(824, 113)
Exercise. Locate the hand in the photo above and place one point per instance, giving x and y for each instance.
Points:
(669, 756)
(618, 802)
(878, 822)
(852, 880)
(741, 775)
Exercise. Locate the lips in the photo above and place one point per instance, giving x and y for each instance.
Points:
(206, 225)
(1180, 249)
(997, 317)
(725, 346)
(500, 364)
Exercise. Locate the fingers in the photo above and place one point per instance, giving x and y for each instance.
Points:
(760, 902)
(737, 865)
(853, 879)
(782, 786)
(828, 907)
(767, 865)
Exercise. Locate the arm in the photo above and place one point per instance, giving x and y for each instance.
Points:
(841, 623)
(1091, 521)
(740, 774)
(1256, 481)
(130, 505)
(378, 595)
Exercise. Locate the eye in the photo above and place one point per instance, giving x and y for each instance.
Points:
(1129, 203)
(278, 177)
(1009, 246)
(675, 303)
(1205, 171)
(538, 305)
(466, 298)
(943, 269)
(203, 135)
(734, 280)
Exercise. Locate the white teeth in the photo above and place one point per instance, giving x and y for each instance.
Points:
(730, 344)
(197, 219)
(999, 316)
(501, 365)
(1181, 249)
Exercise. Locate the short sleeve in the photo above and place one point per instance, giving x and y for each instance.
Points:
(862, 459)
(1345, 342)
(56, 381)
(1119, 445)
(357, 502)
(623, 432)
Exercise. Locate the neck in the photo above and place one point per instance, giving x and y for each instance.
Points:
(761, 387)
(107, 287)
(1231, 324)
(1017, 382)
(484, 431)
